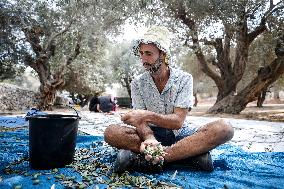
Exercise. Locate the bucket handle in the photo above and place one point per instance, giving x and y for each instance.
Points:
(68, 107)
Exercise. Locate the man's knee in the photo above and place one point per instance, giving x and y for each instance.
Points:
(109, 134)
(220, 129)
(225, 129)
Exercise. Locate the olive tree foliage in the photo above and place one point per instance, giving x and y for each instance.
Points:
(51, 35)
(124, 65)
(229, 27)
(202, 83)
(8, 46)
(7, 70)
(85, 77)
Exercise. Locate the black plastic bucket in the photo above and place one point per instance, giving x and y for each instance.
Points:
(52, 140)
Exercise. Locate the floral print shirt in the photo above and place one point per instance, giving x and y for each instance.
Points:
(178, 93)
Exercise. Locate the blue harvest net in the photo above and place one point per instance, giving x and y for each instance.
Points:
(234, 168)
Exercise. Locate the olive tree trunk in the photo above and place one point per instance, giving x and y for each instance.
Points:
(236, 103)
(49, 82)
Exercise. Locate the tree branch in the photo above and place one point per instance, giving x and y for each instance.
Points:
(258, 30)
(76, 51)
(228, 38)
(207, 42)
(272, 9)
(30, 61)
(218, 45)
(33, 37)
(271, 3)
(181, 14)
(257, 7)
(261, 27)
(50, 46)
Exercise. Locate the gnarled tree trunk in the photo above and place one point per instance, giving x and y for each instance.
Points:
(234, 104)
(48, 90)
(49, 83)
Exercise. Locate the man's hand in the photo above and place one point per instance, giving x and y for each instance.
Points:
(153, 151)
(135, 117)
(152, 142)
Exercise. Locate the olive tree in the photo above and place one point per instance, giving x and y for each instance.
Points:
(124, 65)
(52, 34)
(230, 27)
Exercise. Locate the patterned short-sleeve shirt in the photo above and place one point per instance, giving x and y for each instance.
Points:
(178, 92)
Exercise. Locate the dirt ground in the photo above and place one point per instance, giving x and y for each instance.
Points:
(271, 111)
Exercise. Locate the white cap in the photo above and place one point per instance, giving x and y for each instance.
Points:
(158, 35)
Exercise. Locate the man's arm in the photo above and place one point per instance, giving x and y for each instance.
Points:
(145, 132)
(169, 121)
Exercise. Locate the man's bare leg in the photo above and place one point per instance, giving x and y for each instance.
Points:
(128, 139)
(205, 139)
(122, 137)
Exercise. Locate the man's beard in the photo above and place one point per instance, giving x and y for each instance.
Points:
(153, 68)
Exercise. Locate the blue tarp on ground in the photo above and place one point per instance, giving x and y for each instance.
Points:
(234, 168)
(18, 121)
(13, 121)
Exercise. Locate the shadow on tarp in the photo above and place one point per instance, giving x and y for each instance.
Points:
(234, 168)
